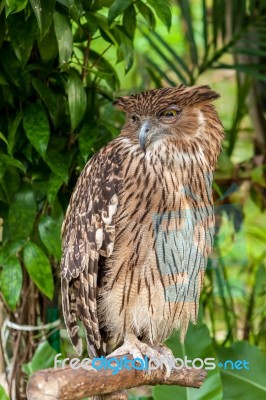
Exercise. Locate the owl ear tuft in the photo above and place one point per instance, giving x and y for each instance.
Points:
(121, 103)
(203, 94)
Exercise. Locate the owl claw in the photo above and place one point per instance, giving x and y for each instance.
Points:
(139, 350)
(136, 350)
(166, 357)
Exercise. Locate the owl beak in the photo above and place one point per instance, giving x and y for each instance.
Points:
(144, 134)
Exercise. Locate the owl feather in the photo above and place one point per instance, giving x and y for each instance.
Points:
(139, 227)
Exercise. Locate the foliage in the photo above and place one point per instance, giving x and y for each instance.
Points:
(56, 90)
(3, 395)
(61, 64)
(53, 87)
(191, 349)
(234, 290)
(226, 41)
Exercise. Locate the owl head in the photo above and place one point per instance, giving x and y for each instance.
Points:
(171, 114)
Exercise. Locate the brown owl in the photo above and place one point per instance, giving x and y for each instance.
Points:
(139, 226)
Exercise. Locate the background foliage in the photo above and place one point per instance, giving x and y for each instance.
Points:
(61, 64)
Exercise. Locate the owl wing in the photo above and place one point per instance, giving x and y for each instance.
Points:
(184, 239)
(88, 232)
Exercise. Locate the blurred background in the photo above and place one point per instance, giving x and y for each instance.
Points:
(62, 62)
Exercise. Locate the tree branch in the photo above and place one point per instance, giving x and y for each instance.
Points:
(74, 384)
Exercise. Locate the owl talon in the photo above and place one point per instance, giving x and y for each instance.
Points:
(136, 348)
(139, 350)
(126, 348)
(166, 357)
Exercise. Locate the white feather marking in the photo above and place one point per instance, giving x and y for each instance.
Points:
(110, 249)
(112, 207)
(91, 280)
(201, 120)
(99, 238)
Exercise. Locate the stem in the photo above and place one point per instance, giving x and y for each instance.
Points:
(86, 60)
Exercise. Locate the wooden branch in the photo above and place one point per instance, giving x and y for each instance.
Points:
(74, 384)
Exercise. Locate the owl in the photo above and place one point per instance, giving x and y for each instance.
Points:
(139, 227)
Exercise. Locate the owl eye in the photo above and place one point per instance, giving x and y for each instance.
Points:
(134, 118)
(168, 113)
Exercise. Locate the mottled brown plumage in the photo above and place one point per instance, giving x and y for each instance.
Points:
(139, 226)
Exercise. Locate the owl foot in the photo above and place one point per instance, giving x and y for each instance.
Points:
(132, 345)
(167, 357)
(159, 356)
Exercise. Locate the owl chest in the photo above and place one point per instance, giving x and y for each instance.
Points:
(152, 188)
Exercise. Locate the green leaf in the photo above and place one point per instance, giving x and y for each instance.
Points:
(129, 21)
(10, 249)
(186, 13)
(172, 51)
(6, 161)
(198, 344)
(50, 234)
(147, 13)
(205, 28)
(36, 126)
(155, 77)
(117, 8)
(22, 35)
(160, 70)
(102, 23)
(3, 80)
(11, 182)
(170, 64)
(100, 3)
(126, 50)
(250, 51)
(54, 184)
(48, 45)
(104, 66)
(244, 384)
(22, 213)
(47, 96)
(12, 68)
(14, 6)
(43, 10)
(2, 27)
(37, 9)
(58, 163)
(257, 175)
(90, 27)
(162, 10)
(77, 99)
(2, 137)
(39, 269)
(3, 395)
(67, 3)
(11, 281)
(64, 37)
(43, 358)
(88, 135)
(88, 5)
(13, 125)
